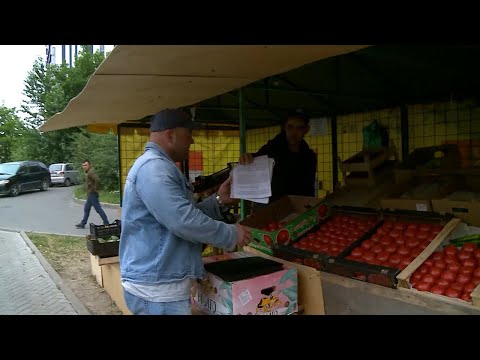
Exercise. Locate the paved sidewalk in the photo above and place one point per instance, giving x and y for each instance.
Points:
(28, 284)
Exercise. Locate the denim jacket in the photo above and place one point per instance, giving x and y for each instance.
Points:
(162, 227)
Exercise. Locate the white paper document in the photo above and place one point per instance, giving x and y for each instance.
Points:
(253, 181)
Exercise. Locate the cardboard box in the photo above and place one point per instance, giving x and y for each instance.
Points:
(298, 214)
(417, 194)
(463, 202)
(270, 294)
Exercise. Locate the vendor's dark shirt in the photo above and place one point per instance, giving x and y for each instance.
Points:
(294, 172)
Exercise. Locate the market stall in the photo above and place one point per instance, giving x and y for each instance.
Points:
(421, 108)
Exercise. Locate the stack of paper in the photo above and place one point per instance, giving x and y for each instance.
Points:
(253, 181)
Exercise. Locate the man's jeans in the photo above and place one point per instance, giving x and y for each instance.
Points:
(139, 306)
(92, 200)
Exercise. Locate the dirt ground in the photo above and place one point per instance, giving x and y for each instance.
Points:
(78, 277)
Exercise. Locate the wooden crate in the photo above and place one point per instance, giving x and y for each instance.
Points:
(96, 263)
(310, 294)
(113, 285)
(404, 277)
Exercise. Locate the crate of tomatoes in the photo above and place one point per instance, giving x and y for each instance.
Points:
(344, 226)
(451, 271)
(402, 237)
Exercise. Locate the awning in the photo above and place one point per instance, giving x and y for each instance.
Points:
(136, 81)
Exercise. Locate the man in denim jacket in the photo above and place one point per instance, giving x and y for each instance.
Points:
(162, 227)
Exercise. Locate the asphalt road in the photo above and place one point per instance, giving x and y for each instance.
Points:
(53, 211)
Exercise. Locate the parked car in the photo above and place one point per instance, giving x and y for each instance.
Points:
(64, 173)
(17, 177)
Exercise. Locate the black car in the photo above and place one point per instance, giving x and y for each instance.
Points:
(19, 176)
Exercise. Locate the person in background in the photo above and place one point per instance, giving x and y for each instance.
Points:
(92, 185)
(295, 166)
(163, 229)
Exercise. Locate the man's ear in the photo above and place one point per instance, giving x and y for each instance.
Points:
(170, 134)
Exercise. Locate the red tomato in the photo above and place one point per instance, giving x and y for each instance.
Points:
(470, 262)
(448, 275)
(416, 276)
(268, 240)
(383, 256)
(435, 272)
(403, 250)
(399, 241)
(424, 227)
(469, 247)
(368, 256)
(469, 287)
(476, 272)
(438, 289)
(467, 270)
(405, 262)
(454, 267)
(377, 249)
(367, 244)
(421, 235)
(428, 262)
(283, 237)
(410, 232)
(450, 250)
(395, 259)
(415, 252)
(453, 293)
(395, 233)
(411, 243)
(465, 297)
(450, 259)
(437, 255)
(391, 248)
(464, 255)
(476, 280)
(357, 252)
(440, 264)
(322, 210)
(387, 240)
(477, 254)
(428, 278)
(463, 278)
(457, 286)
(443, 282)
(423, 286)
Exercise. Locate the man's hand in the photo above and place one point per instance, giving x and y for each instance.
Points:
(224, 192)
(244, 235)
(245, 159)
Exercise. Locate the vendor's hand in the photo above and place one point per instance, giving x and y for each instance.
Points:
(245, 159)
(224, 192)
(244, 235)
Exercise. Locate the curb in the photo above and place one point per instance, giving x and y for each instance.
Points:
(105, 205)
(69, 294)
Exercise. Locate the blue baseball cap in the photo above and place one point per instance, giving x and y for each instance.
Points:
(172, 118)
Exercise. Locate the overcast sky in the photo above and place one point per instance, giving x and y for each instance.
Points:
(15, 62)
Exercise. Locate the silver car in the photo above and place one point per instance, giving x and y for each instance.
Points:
(64, 173)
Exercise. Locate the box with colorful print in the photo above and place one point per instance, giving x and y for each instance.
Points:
(241, 283)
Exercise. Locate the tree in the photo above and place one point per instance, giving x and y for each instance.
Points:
(11, 129)
(102, 151)
(49, 88)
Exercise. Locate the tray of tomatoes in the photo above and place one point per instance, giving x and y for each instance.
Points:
(344, 226)
(400, 238)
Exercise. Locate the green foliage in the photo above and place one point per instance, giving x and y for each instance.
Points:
(49, 89)
(11, 129)
(102, 151)
(106, 196)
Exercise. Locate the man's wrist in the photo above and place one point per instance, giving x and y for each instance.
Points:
(220, 203)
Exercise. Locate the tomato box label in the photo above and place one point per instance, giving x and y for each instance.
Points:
(275, 293)
(284, 221)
